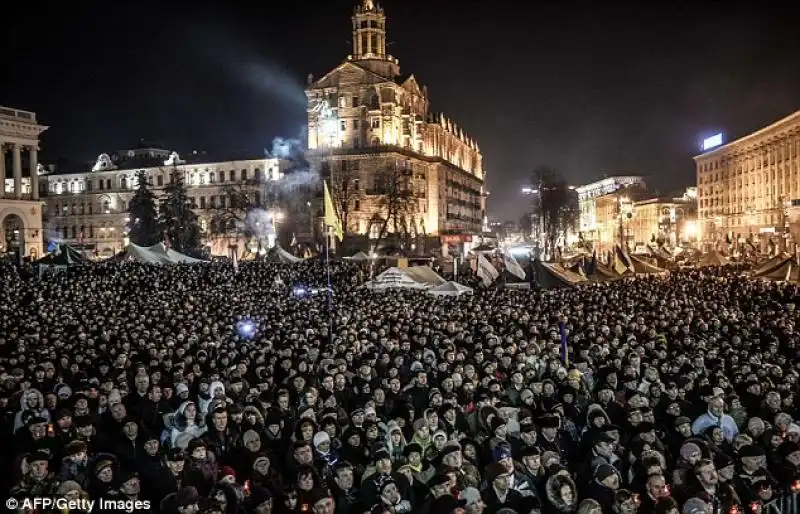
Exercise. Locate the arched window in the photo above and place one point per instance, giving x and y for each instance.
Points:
(123, 183)
(222, 176)
(106, 206)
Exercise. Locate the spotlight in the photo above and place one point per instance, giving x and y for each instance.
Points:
(246, 328)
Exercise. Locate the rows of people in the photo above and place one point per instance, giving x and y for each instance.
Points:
(132, 382)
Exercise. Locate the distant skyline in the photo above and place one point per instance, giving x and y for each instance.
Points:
(584, 87)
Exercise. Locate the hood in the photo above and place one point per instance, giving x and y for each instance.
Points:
(214, 386)
(553, 490)
(593, 409)
(23, 404)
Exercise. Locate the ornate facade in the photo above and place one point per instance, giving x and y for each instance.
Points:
(21, 230)
(745, 187)
(89, 208)
(367, 120)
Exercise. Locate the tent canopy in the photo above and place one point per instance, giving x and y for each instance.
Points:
(450, 288)
(63, 255)
(393, 278)
(358, 256)
(157, 254)
(712, 258)
(425, 275)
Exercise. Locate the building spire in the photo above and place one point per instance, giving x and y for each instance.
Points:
(369, 40)
(368, 5)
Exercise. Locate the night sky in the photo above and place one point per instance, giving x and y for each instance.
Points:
(584, 87)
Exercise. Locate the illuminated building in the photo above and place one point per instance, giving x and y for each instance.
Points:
(744, 187)
(633, 217)
(366, 120)
(88, 207)
(20, 208)
(588, 193)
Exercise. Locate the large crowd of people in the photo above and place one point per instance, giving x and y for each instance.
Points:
(209, 389)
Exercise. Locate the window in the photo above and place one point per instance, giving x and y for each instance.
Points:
(355, 101)
(202, 202)
(74, 209)
(106, 206)
(74, 231)
(376, 122)
(222, 176)
(160, 180)
(123, 183)
(258, 174)
(90, 208)
(243, 175)
(213, 201)
(100, 184)
(88, 185)
(212, 177)
(357, 205)
(83, 208)
(232, 175)
(356, 185)
(342, 101)
(343, 123)
(356, 142)
(374, 43)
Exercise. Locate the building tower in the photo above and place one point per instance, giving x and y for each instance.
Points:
(369, 40)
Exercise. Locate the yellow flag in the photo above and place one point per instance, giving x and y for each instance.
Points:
(331, 219)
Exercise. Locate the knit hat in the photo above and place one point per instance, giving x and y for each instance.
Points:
(251, 436)
(604, 471)
(226, 471)
(494, 470)
(471, 496)
(321, 438)
(187, 496)
(501, 451)
(688, 449)
(67, 487)
(695, 506)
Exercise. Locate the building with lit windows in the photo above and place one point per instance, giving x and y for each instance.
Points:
(588, 193)
(88, 207)
(745, 187)
(366, 120)
(21, 233)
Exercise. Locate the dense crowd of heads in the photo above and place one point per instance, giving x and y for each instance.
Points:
(205, 388)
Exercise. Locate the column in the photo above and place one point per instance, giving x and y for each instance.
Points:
(34, 162)
(17, 171)
(2, 168)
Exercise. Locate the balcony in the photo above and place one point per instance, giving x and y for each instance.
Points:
(17, 114)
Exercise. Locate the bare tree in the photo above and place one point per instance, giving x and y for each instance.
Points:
(230, 212)
(345, 189)
(396, 201)
(555, 208)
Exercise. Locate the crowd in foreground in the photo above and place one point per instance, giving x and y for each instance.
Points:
(207, 389)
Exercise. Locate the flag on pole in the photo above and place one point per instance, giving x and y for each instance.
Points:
(486, 272)
(512, 266)
(622, 263)
(564, 354)
(331, 219)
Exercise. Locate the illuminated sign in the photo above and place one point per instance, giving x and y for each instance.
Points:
(712, 142)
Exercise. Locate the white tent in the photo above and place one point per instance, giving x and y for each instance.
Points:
(450, 288)
(393, 278)
(285, 257)
(158, 254)
(358, 256)
(425, 276)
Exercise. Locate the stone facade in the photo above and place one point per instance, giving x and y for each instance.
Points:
(745, 187)
(21, 229)
(366, 120)
(89, 208)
